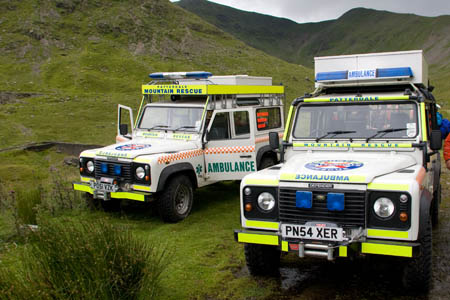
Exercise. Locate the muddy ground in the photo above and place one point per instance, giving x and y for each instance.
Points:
(369, 278)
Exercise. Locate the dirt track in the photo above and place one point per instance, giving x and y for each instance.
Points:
(373, 278)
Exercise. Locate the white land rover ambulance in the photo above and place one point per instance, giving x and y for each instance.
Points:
(359, 171)
(196, 129)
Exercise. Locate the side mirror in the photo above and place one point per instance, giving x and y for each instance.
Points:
(123, 129)
(274, 140)
(436, 140)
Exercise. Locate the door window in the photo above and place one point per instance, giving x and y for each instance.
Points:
(241, 123)
(220, 128)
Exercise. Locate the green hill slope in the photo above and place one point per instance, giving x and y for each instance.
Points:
(357, 31)
(77, 59)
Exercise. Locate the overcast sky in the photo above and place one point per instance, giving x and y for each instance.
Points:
(303, 11)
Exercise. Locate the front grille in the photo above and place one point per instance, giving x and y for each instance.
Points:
(127, 175)
(352, 216)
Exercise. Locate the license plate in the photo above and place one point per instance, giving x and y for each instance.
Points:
(312, 232)
(104, 187)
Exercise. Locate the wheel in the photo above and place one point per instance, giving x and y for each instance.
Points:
(262, 260)
(417, 271)
(175, 202)
(266, 161)
(435, 207)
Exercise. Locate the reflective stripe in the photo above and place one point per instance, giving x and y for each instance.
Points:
(87, 154)
(387, 233)
(323, 178)
(284, 246)
(131, 196)
(269, 182)
(86, 179)
(356, 99)
(388, 186)
(141, 187)
(263, 239)
(262, 224)
(343, 251)
(353, 145)
(139, 112)
(82, 188)
(424, 122)
(142, 160)
(244, 89)
(394, 250)
(205, 108)
(288, 122)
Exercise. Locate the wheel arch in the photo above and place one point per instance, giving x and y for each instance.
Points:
(265, 151)
(177, 169)
(425, 209)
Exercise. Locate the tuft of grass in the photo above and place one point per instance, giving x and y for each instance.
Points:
(84, 260)
(26, 205)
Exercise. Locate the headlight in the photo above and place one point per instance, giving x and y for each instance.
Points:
(266, 201)
(90, 166)
(384, 207)
(140, 172)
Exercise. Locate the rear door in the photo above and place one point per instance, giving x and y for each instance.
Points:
(230, 148)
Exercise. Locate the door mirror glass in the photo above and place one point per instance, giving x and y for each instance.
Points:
(436, 140)
(123, 129)
(274, 140)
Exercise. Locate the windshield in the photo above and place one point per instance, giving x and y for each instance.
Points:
(340, 121)
(171, 118)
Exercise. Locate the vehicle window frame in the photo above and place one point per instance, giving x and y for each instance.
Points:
(241, 135)
(395, 102)
(268, 128)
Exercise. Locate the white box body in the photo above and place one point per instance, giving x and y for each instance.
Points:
(413, 59)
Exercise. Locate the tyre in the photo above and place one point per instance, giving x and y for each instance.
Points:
(417, 271)
(435, 207)
(266, 161)
(262, 260)
(175, 202)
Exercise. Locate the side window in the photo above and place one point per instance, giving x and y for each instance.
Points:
(268, 118)
(220, 128)
(241, 123)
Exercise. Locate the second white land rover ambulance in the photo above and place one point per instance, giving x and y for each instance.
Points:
(360, 170)
(196, 129)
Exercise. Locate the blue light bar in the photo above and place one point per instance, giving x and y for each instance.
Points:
(303, 199)
(117, 170)
(394, 72)
(327, 76)
(335, 201)
(181, 75)
(104, 168)
(405, 72)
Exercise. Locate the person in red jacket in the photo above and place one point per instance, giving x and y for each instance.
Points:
(447, 151)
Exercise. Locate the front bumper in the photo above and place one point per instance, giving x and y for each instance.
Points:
(368, 246)
(132, 195)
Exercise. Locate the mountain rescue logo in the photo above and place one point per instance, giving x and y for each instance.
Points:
(131, 147)
(334, 165)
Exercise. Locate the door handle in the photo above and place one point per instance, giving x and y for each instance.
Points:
(245, 156)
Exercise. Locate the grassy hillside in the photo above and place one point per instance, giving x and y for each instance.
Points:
(357, 31)
(66, 64)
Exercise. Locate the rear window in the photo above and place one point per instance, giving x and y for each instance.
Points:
(268, 118)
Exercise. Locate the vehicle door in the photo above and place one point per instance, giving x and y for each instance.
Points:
(124, 123)
(230, 147)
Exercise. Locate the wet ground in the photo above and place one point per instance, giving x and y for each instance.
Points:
(370, 278)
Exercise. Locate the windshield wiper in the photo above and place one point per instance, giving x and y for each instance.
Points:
(185, 127)
(384, 132)
(158, 126)
(334, 133)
